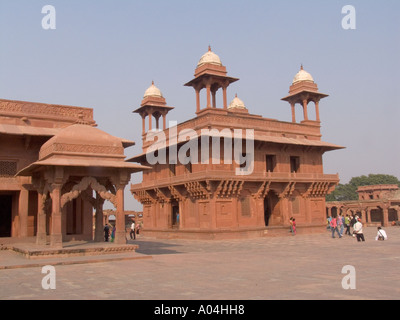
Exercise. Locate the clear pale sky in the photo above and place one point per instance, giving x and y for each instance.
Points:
(104, 55)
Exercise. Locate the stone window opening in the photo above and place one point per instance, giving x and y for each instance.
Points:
(270, 162)
(294, 164)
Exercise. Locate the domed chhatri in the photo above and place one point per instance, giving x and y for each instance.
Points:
(153, 91)
(210, 74)
(237, 104)
(302, 75)
(83, 141)
(209, 57)
(303, 91)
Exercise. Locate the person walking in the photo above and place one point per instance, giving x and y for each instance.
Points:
(113, 234)
(106, 232)
(347, 222)
(358, 231)
(328, 222)
(340, 224)
(294, 226)
(133, 231)
(334, 227)
(291, 225)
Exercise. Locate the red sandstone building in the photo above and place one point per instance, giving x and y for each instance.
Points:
(55, 169)
(209, 197)
(377, 205)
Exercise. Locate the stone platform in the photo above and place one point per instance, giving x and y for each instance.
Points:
(22, 255)
(74, 249)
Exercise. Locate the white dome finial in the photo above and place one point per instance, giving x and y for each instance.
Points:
(153, 91)
(302, 75)
(209, 57)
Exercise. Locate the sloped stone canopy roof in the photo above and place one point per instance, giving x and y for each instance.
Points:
(81, 145)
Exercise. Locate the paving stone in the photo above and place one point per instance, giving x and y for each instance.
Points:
(301, 267)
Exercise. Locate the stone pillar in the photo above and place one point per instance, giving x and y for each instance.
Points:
(293, 112)
(41, 235)
(197, 100)
(56, 221)
(224, 95)
(385, 221)
(164, 116)
(208, 86)
(181, 205)
(120, 233)
(23, 212)
(317, 110)
(369, 215)
(330, 211)
(150, 121)
(99, 225)
(143, 124)
(305, 109)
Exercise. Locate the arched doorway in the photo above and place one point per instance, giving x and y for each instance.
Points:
(175, 215)
(272, 215)
(377, 215)
(5, 215)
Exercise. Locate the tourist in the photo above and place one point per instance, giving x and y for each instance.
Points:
(340, 224)
(353, 220)
(358, 231)
(334, 227)
(113, 234)
(382, 235)
(347, 222)
(294, 226)
(106, 232)
(291, 225)
(133, 231)
(329, 222)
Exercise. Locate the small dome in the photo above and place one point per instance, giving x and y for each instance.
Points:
(237, 104)
(153, 91)
(82, 139)
(209, 57)
(302, 75)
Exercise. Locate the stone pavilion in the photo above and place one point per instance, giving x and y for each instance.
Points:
(211, 198)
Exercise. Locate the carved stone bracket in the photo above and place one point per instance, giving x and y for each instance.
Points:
(287, 192)
(143, 197)
(161, 196)
(318, 189)
(229, 188)
(82, 186)
(263, 190)
(175, 193)
(197, 190)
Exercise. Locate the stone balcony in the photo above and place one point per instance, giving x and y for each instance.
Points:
(215, 175)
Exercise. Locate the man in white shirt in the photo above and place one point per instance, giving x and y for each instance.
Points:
(357, 229)
(381, 236)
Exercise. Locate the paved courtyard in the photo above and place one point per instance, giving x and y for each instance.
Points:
(284, 268)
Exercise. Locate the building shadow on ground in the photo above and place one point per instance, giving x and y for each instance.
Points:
(155, 248)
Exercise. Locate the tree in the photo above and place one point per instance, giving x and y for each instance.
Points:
(346, 192)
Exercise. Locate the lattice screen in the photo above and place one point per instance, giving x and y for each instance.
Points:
(8, 168)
